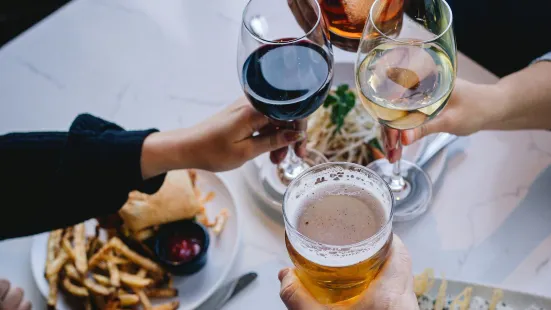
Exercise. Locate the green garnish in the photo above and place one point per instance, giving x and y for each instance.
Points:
(341, 104)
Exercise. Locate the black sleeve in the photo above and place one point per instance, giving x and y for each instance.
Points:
(56, 179)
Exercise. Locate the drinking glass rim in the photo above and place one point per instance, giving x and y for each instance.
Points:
(407, 42)
(353, 245)
(317, 6)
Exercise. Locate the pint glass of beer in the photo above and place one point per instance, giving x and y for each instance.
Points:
(338, 228)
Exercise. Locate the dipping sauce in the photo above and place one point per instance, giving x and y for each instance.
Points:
(182, 249)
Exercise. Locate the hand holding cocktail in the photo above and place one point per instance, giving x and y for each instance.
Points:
(391, 289)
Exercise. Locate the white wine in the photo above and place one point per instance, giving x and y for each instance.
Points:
(403, 85)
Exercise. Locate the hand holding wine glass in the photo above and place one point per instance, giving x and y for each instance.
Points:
(470, 109)
(285, 69)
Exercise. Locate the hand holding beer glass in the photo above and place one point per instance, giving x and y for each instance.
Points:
(392, 288)
(338, 224)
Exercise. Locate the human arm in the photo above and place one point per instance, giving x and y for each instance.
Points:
(57, 179)
(521, 100)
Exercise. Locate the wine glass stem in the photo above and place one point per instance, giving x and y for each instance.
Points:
(292, 165)
(397, 182)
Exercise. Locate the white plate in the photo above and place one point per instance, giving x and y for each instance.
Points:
(344, 73)
(192, 290)
(514, 299)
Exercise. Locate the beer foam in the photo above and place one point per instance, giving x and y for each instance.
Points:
(339, 241)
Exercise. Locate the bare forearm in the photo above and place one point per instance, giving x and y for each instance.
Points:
(525, 100)
(165, 151)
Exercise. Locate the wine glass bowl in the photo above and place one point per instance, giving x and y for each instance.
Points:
(405, 73)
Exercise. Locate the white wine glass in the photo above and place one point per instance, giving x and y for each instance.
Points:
(404, 78)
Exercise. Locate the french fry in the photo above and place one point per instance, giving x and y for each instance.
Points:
(144, 300)
(95, 245)
(210, 196)
(99, 256)
(141, 273)
(80, 248)
(101, 279)
(128, 299)
(143, 262)
(53, 247)
(72, 272)
(221, 220)
(173, 305)
(97, 288)
(75, 290)
(118, 260)
(144, 234)
(52, 294)
(134, 280)
(161, 292)
(57, 263)
(113, 273)
(66, 244)
(102, 265)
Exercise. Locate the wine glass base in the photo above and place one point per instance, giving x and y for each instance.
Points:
(286, 175)
(275, 180)
(414, 197)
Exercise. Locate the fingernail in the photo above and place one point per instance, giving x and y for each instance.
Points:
(4, 288)
(390, 155)
(409, 136)
(282, 273)
(292, 136)
(393, 155)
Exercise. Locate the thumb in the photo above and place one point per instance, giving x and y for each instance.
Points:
(4, 288)
(293, 294)
(273, 140)
(412, 135)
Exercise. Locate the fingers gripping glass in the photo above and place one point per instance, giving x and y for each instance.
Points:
(405, 73)
(285, 66)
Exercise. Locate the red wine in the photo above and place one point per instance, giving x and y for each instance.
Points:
(287, 82)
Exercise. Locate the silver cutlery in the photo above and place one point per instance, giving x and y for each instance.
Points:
(439, 142)
(227, 291)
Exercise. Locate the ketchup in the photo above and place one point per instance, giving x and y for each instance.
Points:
(183, 249)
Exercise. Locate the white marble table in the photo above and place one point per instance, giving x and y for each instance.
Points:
(171, 63)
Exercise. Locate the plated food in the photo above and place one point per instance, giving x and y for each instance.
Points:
(128, 268)
(343, 130)
(470, 296)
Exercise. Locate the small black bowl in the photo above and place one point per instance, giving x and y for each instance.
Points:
(185, 229)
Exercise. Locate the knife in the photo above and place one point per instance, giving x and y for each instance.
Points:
(229, 290)
(439, 142)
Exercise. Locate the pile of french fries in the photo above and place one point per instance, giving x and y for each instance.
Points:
(103, 275)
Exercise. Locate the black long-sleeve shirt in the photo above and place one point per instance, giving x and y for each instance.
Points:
(56, 179)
